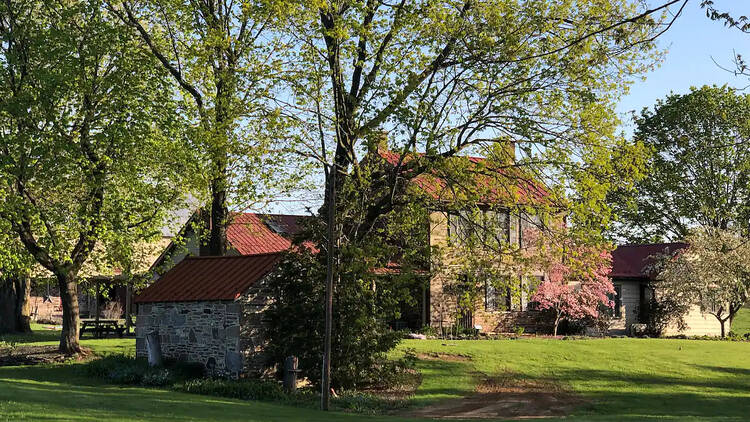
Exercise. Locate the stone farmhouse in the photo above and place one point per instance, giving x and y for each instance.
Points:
(210, 309)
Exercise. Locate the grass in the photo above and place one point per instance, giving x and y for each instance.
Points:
(42, 336)
(741, 323)
(619, 379)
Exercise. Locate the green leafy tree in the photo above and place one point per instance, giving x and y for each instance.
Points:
(699, 169)
(92, 159)
(381, 274)
(713, 272)
(448, 78)
(223, 59)
(15, 283)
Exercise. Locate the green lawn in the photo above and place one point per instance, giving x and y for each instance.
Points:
(619, 379)
(741, 323)
(622, 379)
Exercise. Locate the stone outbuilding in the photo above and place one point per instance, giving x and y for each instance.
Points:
(209, 310)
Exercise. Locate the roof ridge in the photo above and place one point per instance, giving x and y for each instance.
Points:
(632, 245)
(233, 256)
(268, 213)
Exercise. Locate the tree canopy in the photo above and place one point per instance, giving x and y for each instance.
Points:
(713, 272)
(699, 168)
(93, 156)
(224, 61)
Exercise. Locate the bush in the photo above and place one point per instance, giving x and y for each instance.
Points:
(245, 389)
(361, 337)
(360, 402)
(121, 369)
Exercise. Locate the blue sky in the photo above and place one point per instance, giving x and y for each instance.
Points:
(694, 42)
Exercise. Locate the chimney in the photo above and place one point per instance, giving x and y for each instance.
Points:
(377, 141)
(506, 150)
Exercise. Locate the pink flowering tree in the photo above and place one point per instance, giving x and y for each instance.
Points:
(577, 285)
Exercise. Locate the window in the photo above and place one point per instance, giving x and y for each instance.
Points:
(490, 296)
(617, 299)
(498, 295)
(534, 283)
(481, 224)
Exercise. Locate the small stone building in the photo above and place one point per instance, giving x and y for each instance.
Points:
(209, 310)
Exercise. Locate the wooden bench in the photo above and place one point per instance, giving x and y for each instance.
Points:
(102, 326)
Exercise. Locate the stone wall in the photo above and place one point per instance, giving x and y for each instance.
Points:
(252, 340)
(225, 336)
(203, 332)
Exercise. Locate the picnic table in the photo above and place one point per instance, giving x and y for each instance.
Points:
(102, 326)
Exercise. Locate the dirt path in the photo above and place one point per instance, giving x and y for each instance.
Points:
(508, 396)
(529, 405)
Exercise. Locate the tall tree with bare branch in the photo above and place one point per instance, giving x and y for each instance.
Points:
(448, 78)
(222, 57)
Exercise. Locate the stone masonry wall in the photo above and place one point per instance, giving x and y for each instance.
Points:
(252, 341)
(203, 332)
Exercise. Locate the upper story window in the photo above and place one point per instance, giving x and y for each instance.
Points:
(482, 225)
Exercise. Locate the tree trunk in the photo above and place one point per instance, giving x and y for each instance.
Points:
(217, 241)
(557, 323)
(15, 310)
(71, 320)
(723, 330)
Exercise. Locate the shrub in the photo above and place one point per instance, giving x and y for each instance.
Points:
(361, 402)
(245, 389)
(361, 336)
(121, 369)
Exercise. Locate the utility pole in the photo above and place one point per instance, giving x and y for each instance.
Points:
(325, 396)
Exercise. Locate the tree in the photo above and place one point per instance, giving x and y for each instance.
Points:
(577, 285)
(713, 272)
(223, 60)
(15, 284)
(699, 169)
(380, 275)
(741, 23)
(92, 158)
(454, 77)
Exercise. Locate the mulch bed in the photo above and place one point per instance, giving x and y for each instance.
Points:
(32, 355)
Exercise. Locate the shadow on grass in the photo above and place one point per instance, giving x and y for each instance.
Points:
(726, 370)
(63, 393)
(37, 336)
(621, 395)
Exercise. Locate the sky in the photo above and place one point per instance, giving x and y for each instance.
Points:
(695, 45)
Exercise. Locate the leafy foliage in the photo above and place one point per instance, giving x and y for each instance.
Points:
(93, 156)
(699, 169)
(224, 63)
(121, 369)
(713, 272)
(578, 285)
(361, 337)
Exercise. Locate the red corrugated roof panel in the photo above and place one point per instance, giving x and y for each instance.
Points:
(252, 234)
(209, 278)
(633, 260)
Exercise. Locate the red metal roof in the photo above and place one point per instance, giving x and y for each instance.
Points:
(632, 260)
(252, 234)
(209, 278)
(524, 189)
